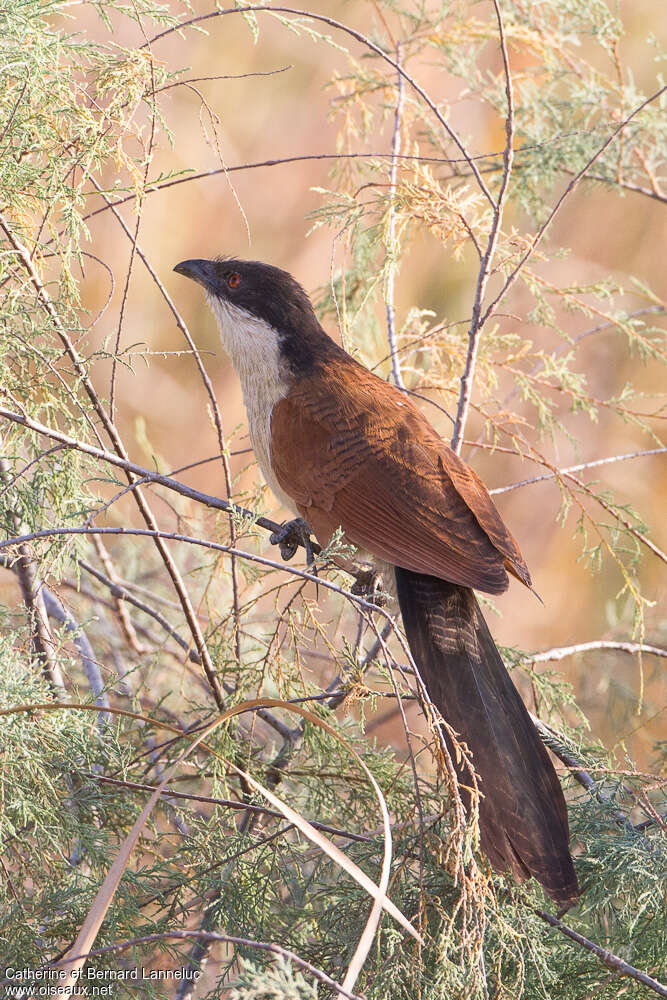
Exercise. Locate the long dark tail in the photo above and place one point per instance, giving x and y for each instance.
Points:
(522, 815)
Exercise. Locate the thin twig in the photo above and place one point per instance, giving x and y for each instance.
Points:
(208, 385)
(537, 239)
(364, 40)
(476, 321)
(120, 593)
(238, 942)
(145, 475)
(119, 447)
(126, 624)
(222, 76)
(227, 803)
(33, 597)
(657, 195)
(561, 652)
(391, 242)
(577, 468)
(608, 958)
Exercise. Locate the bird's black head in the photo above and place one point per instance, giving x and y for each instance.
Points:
(239, 289)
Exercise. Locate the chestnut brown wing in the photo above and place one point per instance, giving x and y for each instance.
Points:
(353, 451)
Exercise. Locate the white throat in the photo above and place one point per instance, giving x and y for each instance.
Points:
(253, 347)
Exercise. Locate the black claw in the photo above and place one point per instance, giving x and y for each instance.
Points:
(292, 534)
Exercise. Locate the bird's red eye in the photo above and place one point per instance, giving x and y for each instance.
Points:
(234, 280)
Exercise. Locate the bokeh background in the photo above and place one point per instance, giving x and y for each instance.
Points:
(263, 213)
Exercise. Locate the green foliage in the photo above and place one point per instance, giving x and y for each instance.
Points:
(280, 981)
(80, 119)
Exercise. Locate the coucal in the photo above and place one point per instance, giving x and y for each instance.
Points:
(341, 447)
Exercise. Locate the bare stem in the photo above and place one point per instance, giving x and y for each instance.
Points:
(608, 958)
(577, 468)
(208, 385)
(226, 939)
(477, 322)
(364, 40)
(561, 652)
(119, 448)
(537, 239)
(144, 475)
(391, 242)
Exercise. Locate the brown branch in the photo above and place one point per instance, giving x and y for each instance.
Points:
(145, 475)
(306, 157)
(273, 162)
(222, 76)
(227, 803)
(121, 611)
(121, 594)
(651, 192)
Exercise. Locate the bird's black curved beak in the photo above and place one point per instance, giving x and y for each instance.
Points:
(201, 271)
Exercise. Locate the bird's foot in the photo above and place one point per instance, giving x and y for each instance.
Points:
(292, 534)
(369, 585)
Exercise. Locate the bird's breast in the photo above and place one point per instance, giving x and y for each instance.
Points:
(260, 395)
(254, 348)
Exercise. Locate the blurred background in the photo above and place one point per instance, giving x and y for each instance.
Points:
(274, 100)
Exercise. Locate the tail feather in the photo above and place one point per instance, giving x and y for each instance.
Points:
(522, 814)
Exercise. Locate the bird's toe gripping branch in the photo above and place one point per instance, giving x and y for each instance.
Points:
(369, 584)
(292, 534)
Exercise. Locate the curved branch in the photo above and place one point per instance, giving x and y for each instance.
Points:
(239, 942)
(359, 37)
(119, 448)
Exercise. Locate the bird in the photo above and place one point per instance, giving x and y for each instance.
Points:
(340, 447)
